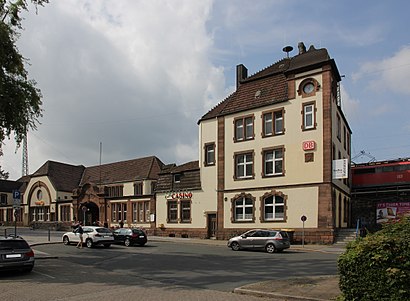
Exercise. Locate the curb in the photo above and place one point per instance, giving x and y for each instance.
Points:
(274, 296)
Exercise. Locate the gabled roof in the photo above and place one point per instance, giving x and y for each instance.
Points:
(269, 85)
(64, 177)
(189, 166)
(125, 171)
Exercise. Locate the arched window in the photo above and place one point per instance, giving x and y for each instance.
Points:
(273, 208)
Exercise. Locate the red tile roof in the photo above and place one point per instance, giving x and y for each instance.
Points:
(269, 85)
(125, 171)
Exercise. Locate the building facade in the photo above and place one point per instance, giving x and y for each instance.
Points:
(270, 156)
(47, 196)
(183, 208)
(59, 194)
(268, 150)
(8, 214)
(119, 194)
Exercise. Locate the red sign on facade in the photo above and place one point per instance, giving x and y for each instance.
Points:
(309, 145)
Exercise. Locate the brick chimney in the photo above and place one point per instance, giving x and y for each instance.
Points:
(241, 74)
(301, 47)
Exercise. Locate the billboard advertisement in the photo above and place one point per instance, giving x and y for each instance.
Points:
(389, 211)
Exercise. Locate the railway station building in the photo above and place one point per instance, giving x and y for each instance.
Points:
(268, 156)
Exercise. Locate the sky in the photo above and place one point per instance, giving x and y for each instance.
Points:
(135, 76)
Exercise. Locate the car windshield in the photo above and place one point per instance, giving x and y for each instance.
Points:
(136, 231)
(103, 230)
(13, 244)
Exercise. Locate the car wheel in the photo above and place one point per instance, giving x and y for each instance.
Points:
(235, 246)
(127, 242)
(89, 243)
(141, 244)
(66, 240)
(107, 245)
(270, 248)
(28, 270)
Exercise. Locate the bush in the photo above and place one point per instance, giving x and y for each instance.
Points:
(377, 267)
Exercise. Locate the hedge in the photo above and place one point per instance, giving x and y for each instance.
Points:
(377, 267)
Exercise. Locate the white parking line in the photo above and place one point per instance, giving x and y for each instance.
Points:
(49, 276)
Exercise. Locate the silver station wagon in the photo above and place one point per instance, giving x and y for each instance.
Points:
(269, 240)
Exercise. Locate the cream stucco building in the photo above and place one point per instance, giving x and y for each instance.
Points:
(273, 143)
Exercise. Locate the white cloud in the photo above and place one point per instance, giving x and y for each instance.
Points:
(137, 75)
(390, 74)
(350, 105)
(134, 75)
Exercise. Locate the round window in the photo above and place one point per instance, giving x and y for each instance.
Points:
(308, 88)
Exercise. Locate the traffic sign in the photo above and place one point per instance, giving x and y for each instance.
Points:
(16, 194)
(303, 218)
(16, 204)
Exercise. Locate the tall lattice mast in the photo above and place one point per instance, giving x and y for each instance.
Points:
(25, 157)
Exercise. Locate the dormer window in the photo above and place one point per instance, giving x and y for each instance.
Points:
(177, 178)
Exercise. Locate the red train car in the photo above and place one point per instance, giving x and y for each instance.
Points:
(383, 173)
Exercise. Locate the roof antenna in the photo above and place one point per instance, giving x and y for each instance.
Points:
(287, 49)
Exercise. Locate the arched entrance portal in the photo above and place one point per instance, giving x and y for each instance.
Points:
(88, 213)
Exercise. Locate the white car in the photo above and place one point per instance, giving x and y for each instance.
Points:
(92, 236)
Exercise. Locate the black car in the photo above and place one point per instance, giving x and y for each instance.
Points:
(130, 237)
(15, 254)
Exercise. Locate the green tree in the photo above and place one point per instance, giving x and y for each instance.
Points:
(20, 99)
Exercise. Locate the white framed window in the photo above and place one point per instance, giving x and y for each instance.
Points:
(209, 154)
(273, 123)
(124, 212)
(47, 213)
(147, 211)
(172, 212)
(274, 208)
(134, 212)
(308, 116)
(138, 188)
(243, 208)
(244, 128)
(185, 211)
(249, 128)
(267, 124)
(113, 212)
(278, 115)
(244, 166)
(40, 213)
(65, 213)
(273, 162)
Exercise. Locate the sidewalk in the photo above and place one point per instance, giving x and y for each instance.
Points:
(318, 288)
